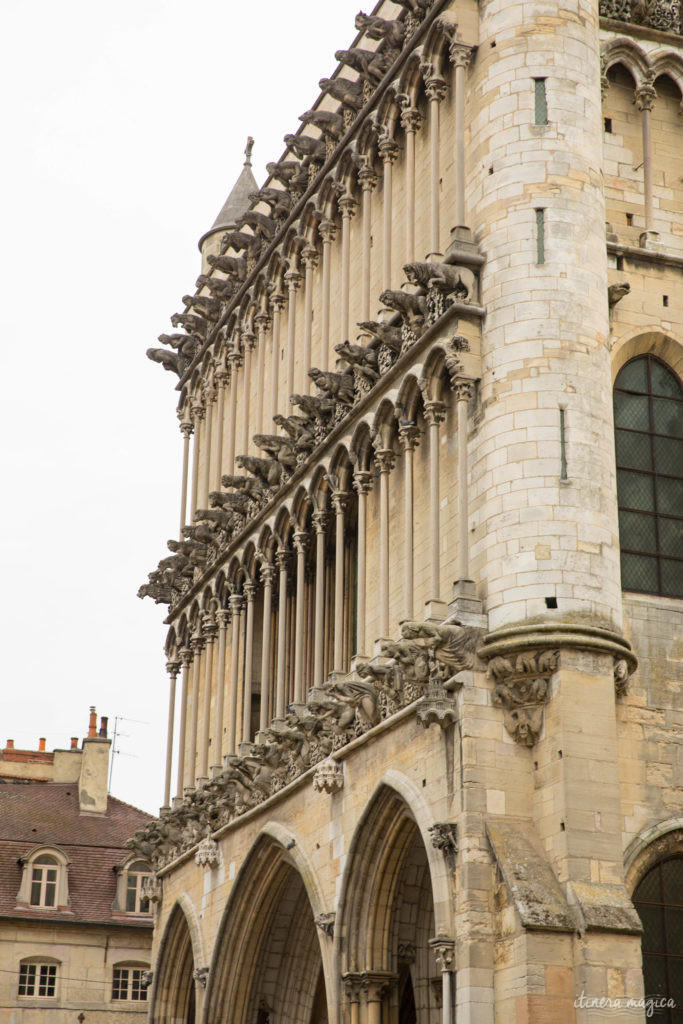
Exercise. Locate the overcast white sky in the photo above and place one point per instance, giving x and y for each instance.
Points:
(124, 127)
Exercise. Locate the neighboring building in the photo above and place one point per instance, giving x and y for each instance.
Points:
(75, 923)
(427, 627)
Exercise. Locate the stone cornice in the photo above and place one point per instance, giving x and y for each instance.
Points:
(640, 255)
(336, 154)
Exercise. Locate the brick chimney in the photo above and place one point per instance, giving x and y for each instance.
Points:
(92, 783)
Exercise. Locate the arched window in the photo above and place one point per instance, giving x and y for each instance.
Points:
(38, 977)
(129, 982)
(44, 880)
(659, 901)
(648, 419)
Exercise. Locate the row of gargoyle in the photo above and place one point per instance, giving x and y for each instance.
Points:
(334, 714)
(202, 312)
(338, 392)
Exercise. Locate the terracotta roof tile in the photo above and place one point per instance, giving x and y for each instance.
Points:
(33, 814)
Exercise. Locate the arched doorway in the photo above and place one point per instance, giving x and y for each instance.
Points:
(387, 917)
(174, 987)
(267, 965)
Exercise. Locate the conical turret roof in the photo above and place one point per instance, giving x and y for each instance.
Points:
(237, 202)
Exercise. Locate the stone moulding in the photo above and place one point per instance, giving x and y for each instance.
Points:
(522, 659)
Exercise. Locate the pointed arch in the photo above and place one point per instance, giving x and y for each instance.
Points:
(174, 995)
(268, 951)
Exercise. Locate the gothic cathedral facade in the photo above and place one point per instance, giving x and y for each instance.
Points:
(424, 607)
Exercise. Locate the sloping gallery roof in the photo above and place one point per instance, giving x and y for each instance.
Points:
(37, 814)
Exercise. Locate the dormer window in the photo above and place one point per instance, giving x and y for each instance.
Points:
(137, 874)
(44, 880)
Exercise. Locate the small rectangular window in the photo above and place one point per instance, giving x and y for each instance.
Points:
(608, 125)
(540, 102)
(120, 987)
(540, 236)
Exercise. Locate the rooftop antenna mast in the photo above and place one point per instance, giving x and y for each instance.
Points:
(114, 748)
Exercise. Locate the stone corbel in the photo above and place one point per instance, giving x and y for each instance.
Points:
(521, 662)
(208, 854)
(325, 923)
(201, 975)
(328, 777)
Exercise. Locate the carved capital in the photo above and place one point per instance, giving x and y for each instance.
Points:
(367, 179)
(268, 572)
(435, 86)
(301, 540)
(250, 589)
(329, 777)
(282, 560)
(173, 668)
(186, 429)
(277, 300)
(384, 459)
(460, 53)
(347, 205)
(235, 601)
(293, 280)
(320, 521)
(223, 616)
(209, 628)
(444, 952)
(352, 985)
(339, 500)
(263, 322)
(435, 412)
(198, 408)
(645, 97)
(327, 230)
(411, 119)
(197, 644)
(376, 984)
(463, 388)
(408, 435)
(185, 655)
(387, 149)
(362, 481)
(310, 256)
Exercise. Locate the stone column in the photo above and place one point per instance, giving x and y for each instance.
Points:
(293, 281)
(209, 395)
(347, 204)
(444, 953)
(435, 87)
(384, 459)
(411, 121)
(328, 230)
(222, 378)
(375, 985)
(172, 667)
(319, 522)
(249, 341)
(197, 415)
(277, 302)
(362, 480)
(235, 603)
(186, 658)
(250, 594)
(367, 180)
(209, 632)
(408, 434)
(300, 545)
(339, 500)
(435, 413)
(463, 390)
(235, 359)
(388, 150)
(223, 617)
(268, 573)
(197, 645)
(262, 321)
(645, 99)
(310, 258)
(186, 430)
(282, 562)
(460, 55)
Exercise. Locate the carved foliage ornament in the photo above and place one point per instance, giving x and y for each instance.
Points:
(521, 690)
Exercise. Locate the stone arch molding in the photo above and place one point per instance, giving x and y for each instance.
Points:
(182, 913)
(275, 858)
(651, 845)
(367, 850)
(644, 65)
(649, 342)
